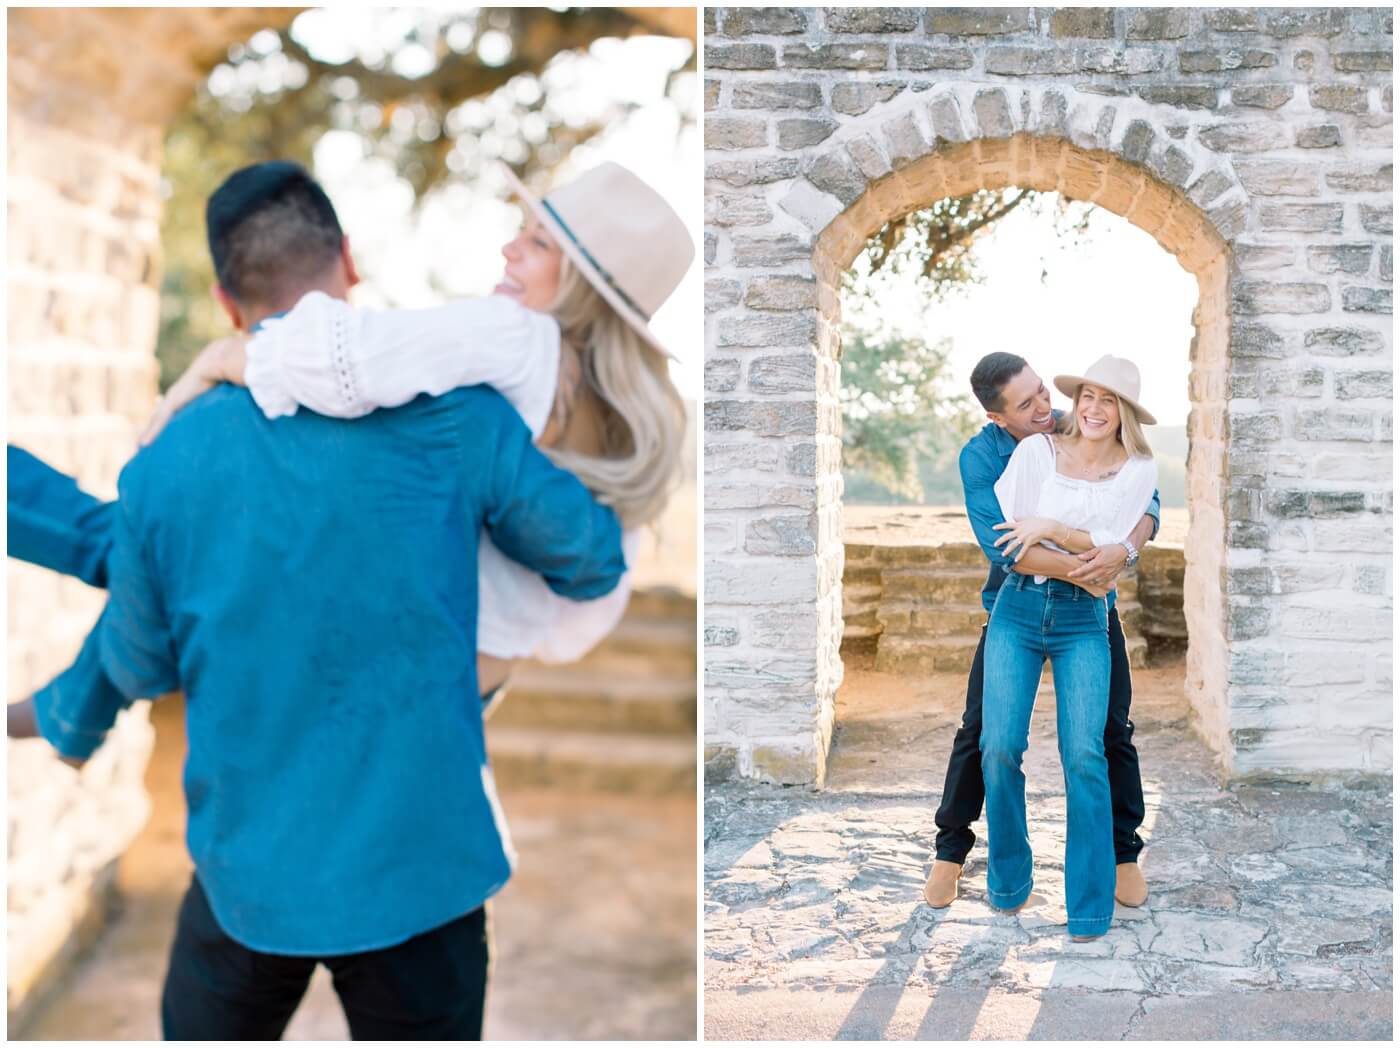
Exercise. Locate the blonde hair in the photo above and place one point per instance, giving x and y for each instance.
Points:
(1130, 433)
(643, 422)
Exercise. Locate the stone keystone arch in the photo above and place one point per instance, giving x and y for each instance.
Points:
(809, 152)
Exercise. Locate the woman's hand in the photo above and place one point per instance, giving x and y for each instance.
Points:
(224, 360)
(1021, 535)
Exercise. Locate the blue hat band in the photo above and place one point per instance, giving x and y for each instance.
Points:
(607, 277)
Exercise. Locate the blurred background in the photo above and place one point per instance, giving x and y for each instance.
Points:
(122, 121)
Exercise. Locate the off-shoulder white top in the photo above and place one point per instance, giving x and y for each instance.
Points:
(345, 362)
(1107, 509)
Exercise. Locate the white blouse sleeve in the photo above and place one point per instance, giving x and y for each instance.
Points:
(1018, 489)
(1134, 487)
(337, 360)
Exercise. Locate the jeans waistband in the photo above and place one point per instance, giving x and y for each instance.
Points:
(1050, 587)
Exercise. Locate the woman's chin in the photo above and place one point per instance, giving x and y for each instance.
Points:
(512, 293)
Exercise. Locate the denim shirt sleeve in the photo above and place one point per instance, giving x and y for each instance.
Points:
(128, 655)
(544, 518)
(138, 650)
(1154, 510)
(980, 471)
(77, 709)
(54, 523)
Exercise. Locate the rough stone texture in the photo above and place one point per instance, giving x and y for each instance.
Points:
(89, 94)
(1255, 146)
(1268, 916)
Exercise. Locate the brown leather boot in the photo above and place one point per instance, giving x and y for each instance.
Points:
(1131, 889)
(942, 885)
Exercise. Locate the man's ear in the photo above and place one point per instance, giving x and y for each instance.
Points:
(352, 276)
(997, 417)
(235, 314)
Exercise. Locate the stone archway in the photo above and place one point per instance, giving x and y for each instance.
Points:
(827, 123)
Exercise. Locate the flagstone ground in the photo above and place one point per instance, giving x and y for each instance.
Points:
(1269, 914)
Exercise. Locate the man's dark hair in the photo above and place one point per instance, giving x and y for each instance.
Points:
(271, 229)
(991, 375)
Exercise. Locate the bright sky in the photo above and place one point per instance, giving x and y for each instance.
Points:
(1117, 292)
(460, 230)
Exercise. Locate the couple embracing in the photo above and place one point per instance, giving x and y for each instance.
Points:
(340, 591)
(1060, 504)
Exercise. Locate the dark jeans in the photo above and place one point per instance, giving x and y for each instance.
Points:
(963, 792)
(432, 987)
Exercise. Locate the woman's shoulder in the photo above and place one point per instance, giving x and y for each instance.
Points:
(1038, 447)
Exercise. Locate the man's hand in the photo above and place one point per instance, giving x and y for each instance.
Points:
(1101, 566)
(21, 723)
(223, 360)
(1096, 591)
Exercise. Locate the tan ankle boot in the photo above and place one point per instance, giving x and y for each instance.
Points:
(942, 885)
(1131, 889)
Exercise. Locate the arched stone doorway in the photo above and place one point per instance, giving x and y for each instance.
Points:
(825, 124)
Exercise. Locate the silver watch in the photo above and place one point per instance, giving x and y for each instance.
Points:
(1132, 553)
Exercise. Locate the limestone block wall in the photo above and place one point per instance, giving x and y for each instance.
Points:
(1253, 144)
(89, 94)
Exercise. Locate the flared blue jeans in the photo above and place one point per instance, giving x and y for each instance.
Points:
(1031, 623)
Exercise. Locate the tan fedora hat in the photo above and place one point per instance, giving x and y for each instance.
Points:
(1116, 374)
(625, 240)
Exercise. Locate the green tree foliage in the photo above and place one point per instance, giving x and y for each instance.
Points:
(898, 413)
(439, 94)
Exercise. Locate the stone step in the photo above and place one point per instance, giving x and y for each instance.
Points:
(860, 651)
(644, 647)
(662, 602)
(947, 554)
(865, 622)
(1167, 630)
(867, 576)
(911, 654)
(933, 620)
(564, 698)
(640, 764)
(934, 585)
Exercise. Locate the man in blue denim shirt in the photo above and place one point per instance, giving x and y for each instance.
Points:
(1018, 405)
(311, 585)
(54, 523)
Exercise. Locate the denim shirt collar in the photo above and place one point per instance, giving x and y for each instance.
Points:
(272, 316)
(1005, 443)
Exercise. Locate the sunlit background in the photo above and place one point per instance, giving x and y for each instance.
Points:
(416, 180)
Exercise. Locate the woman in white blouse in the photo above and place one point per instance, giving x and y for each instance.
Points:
(1087, 485)
(565, 337)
